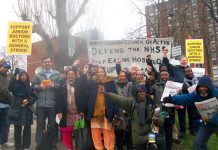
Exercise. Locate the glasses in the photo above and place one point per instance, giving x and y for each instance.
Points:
(139, 74)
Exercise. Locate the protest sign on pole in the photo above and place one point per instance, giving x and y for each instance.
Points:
(198, 72)
(194, 50)
(176, 51)
(19, 38)
(106, 53)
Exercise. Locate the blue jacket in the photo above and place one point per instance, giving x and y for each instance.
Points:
(111, 110)
(176, 72)
(191, 98)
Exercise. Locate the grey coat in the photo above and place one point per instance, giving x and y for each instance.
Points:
(139, 133)
(125, 91)
(46, 98)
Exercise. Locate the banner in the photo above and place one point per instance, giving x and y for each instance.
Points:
(19, 38)
(106, 53)
(195, 50)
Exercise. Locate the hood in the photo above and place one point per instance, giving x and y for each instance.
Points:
(205, 81)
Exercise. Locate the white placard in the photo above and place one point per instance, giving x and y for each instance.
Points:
(171, 88)
(192, 88)
(198, 72)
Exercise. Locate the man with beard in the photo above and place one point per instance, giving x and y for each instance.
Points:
(204, 90)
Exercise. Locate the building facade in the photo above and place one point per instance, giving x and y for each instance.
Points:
(185, 19)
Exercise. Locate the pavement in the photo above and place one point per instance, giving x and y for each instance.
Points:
(60, 146)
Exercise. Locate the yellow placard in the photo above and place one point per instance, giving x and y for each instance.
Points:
(19, 38)
(194, 50)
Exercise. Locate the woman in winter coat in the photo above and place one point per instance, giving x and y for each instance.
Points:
(23, 100)
(69, 106)
(100, 110)
(123, 130)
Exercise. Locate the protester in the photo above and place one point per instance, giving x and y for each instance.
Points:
(157, 90)
(141, 110)
(5, 98)
(24, 98)
(100, 110)
(131, 73)
(204, 90)
(123, 131)
(177, 72)
(70, 108)
(45, 85)
(193, 114)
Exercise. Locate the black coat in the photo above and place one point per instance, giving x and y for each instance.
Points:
(22, 90)
(61, 100)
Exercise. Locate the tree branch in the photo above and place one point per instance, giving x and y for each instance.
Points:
(80, 12)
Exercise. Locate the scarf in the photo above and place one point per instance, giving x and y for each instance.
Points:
(190, 82)
(141, 112)
(122, 88)
(106, 79)
(71, 105)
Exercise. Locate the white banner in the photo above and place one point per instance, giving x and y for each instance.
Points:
(106, 53)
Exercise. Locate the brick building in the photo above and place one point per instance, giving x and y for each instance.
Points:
(182, 19)
(39, 51)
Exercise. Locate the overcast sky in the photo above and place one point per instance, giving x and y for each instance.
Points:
(116, 17)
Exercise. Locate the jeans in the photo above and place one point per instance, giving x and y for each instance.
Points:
(42, 114)
(4, 125)
(203, 135)
(26, 136)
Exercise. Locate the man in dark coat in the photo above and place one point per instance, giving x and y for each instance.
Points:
(5, 98)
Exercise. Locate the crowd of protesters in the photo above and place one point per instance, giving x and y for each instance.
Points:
(117, 111)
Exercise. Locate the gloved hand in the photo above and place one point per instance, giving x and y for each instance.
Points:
(167, 99)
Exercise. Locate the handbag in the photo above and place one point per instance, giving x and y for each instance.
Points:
(14, 114)
(117, 120)
(46, 139)
(82, 135)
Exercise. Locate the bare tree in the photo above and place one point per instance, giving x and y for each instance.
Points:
(53, 18)
(212, 6)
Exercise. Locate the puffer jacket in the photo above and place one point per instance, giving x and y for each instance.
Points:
(191, 98)
(21, 91)
(46, 98)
